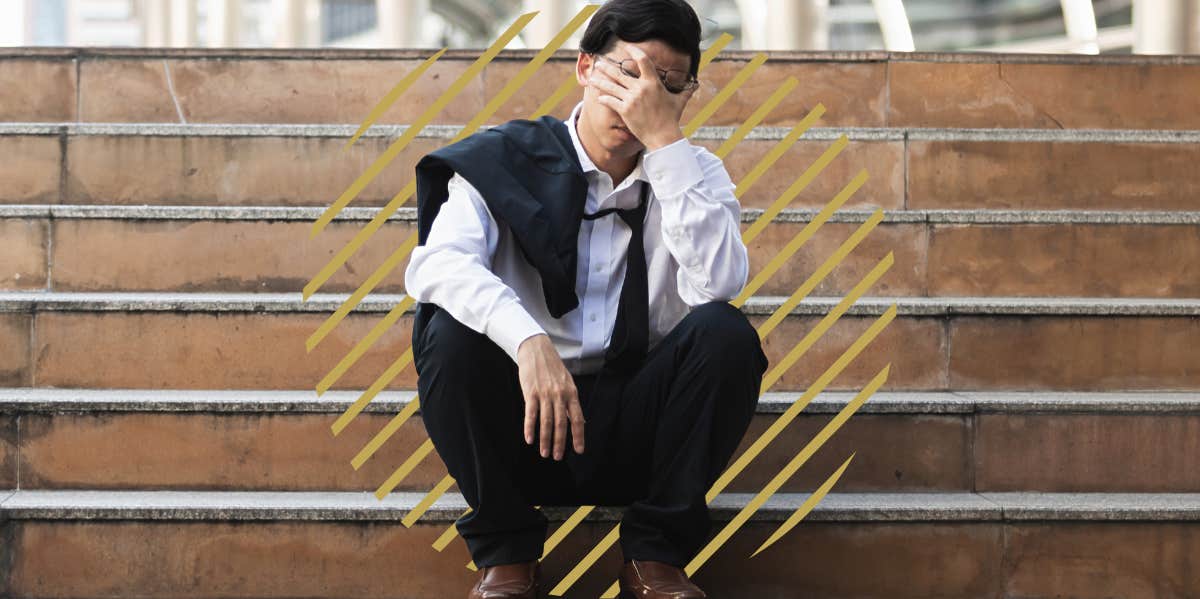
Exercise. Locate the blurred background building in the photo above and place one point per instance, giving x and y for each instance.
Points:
(1084, 26)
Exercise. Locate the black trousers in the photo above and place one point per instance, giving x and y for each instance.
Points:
(683, 414)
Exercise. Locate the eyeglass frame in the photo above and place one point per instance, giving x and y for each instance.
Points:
(692, 82)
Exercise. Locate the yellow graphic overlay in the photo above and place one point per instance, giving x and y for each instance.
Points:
(759, 280)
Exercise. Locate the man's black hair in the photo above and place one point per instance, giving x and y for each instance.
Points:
(672, 22)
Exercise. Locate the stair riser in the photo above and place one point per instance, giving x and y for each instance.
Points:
(862, 89)
(385, 559)
(225, 350)
(1090, 260)
(897, 452)
(314, 171)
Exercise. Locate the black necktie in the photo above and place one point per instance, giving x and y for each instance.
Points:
(627, 349)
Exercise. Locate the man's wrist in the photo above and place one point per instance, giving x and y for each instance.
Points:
(662, 139)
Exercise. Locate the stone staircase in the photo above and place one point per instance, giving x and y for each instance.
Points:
(1038, 435)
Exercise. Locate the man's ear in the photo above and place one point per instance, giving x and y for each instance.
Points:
(583, 68)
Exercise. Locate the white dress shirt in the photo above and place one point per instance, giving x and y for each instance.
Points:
(474, 269)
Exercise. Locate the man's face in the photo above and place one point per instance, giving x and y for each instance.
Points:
(604, 123)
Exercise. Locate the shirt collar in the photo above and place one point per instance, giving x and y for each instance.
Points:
(639, 173)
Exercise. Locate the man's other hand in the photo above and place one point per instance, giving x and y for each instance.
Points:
(551, 401)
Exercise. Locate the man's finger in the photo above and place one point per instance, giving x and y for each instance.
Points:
(646, 70)
(608, 87)
(612, 102)
(531, 412)
(547, 425)
(577, 421)
(560, 427)
(615, 74)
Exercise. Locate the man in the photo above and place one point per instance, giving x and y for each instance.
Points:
(573, 341)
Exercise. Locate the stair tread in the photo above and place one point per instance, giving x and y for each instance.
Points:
(749, 214)
(310, 505)
(38, 399)
(448, 132)
(759, 304)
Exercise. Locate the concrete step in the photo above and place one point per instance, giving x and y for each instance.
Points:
(83, 543)
(269, 249)
(221, 341)
(126, 439)
(870, 88)
(308, 165)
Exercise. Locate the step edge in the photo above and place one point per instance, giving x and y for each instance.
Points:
(257, 401)
(706, 133)
(854, 507)
(293, 302)
(748, 215)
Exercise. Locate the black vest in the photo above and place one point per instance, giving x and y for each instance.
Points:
(530, 177)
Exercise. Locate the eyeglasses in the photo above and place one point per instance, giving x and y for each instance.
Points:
(675, 81)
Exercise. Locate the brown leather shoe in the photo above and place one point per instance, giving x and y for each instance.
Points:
(508, 581)
(656, 580)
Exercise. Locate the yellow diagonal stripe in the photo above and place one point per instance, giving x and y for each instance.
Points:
(785, 473)
(814, 169)
(793, 410)
(359, 294)
(780, 148)
(827, 321)
(586, 562)
(756, 118)
(723, 96)
(393, 95)
(386, 433)
(809, 504)
(444, 541)
(376, 387)
(404, 470)
(819, 275)
(712, 51)
(411, 517)
(566, 528)
(417, 125)
(551, 102)
(364, 344)
(799, 240)
(826, 433)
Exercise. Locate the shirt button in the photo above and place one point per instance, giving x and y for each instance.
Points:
(592, 318)
(599, 267)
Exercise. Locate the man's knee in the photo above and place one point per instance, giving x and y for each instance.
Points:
(722, 328)
(451, 348)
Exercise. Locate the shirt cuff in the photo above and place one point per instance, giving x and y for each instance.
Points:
(673, 169)
(509, 325)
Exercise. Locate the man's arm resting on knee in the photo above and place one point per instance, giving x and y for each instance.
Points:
(451, 270)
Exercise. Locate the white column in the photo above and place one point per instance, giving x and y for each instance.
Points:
(1160, 26)
(223, 21)
(154, 17)
(400, 23)
(552, 15)
(754, 24)
(183, 23)
(1080, 20)
(14, 23)
(290, 23)
(1192, 46)
(893, 24)
(797, 25)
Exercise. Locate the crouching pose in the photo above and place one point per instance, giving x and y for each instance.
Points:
(574, 340)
